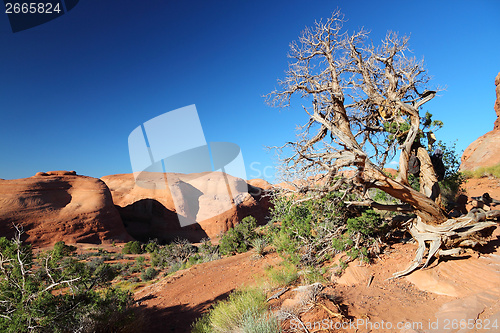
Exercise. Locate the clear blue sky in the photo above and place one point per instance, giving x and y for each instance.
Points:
(72, 90)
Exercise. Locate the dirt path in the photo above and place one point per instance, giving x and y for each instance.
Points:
(450, 289)
(173, 303)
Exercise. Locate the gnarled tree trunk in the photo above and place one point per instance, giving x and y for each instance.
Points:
(364, 101)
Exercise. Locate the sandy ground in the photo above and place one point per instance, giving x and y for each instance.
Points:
(451, 292)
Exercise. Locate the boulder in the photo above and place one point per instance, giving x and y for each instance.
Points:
(60, 205)
(485, 151)
(150, 208)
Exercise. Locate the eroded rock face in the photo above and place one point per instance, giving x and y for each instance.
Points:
(60, 205)
(485, 151)
(497, 102)
(150, 211)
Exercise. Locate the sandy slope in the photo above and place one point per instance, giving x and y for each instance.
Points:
(431, 300)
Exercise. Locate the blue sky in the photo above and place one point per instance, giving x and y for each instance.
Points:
(73, 89)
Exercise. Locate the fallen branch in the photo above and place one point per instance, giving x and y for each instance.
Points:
(278, 294)
(448, 237)
(393, 208)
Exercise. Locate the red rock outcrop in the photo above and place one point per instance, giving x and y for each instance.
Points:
(497, 102)
(150, 213)
(60, 205)
(485, 151)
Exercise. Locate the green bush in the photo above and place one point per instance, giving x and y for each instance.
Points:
(140, 260)
(62, 250)
(299, 230)
(177, 252)
(151, 246)
(136, 268)
(314, 274)
(133, 247)
(284, 275)
(159, 257)
(208, 251)
(243, 311)
(259, 245)
(175, 267)
(239, 238)
(309, 232)
(149, 274)
(491, 171)
(368, 224)
(46, 295)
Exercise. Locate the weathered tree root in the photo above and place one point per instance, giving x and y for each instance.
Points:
(449, 237)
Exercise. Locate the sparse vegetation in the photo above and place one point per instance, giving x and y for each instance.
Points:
(492, 171)
(140, 260)
(283, 275)
(244, 311)
(133, 247)
(259, 246)
(151, 246)
(239, 238)
(149, 274)
(34, 293)
(363, 104)
(310, 232)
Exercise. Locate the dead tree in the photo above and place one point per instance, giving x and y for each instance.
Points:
(355, 93)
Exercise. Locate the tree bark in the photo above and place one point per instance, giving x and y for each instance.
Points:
(425, 207)
(428, 180)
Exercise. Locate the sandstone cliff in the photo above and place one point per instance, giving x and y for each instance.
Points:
(60, 205)
(149, 212)
(485, 151)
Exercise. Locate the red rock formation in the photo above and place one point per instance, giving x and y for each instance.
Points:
(150, 213)
(485, 151)
(60, 205)
(497, 102)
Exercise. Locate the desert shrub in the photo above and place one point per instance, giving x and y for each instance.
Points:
(368, 223)
(151, 246)
(243, 311)
(119, 267)
(194, 259)
(308, 232)
(284, 275)
(239, 238)
(175, 267)
(208, 251)
(452, 184)
(140, 260)
(312, 274)
(133, 247)
(181, 254)
(159, 257)
(491, 171)
(83, 256)
(103, 252)
(259, 245)
(135, 279)
(135, 268)
(61, 250)
(178, 251)
(34, 293)
(149, 274)
(296, 230)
